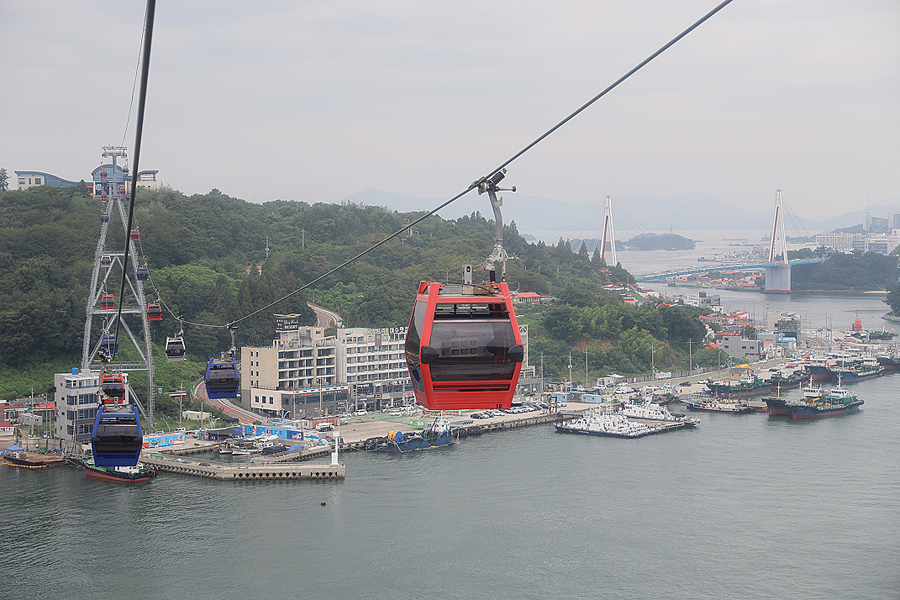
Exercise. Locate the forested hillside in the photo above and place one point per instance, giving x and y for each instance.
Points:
(207, 257)
(857, 271)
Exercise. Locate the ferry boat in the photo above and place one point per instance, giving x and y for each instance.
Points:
(605, 424)
(649, 411)
(837, 401)
(137, 473)
(439, 433)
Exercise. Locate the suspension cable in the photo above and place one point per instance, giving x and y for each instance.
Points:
(471, 186)
(139, 128)
(515, 156)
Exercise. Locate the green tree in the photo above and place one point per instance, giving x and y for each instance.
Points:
(4, 180)
(893, 299)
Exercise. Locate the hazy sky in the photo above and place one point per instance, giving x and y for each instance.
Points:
(317, 101)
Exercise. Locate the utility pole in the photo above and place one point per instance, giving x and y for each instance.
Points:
(690, 357)
(570, 371)
(585, 368)
(542, 375)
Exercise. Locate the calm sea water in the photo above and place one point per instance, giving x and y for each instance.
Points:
(743, 507)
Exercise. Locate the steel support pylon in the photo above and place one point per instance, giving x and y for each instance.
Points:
(106, 278)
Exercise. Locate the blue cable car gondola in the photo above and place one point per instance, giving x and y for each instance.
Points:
(143, 274)
(104, 217)
(222, 378)
(463, 346)
(116, 439)
(109, 343)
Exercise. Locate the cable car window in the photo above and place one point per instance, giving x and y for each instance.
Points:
(472, 349)
(416, 324)
(414, 341)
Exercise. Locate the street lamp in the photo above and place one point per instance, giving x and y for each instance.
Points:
(319, 383)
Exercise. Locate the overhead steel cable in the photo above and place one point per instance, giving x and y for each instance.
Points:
(139, 128)
(472, 186)
(477, 182)
(612, 86)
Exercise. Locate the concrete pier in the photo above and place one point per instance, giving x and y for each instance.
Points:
(243, 472)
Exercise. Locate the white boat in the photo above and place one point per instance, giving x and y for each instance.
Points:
(607, 424)
(648, 411)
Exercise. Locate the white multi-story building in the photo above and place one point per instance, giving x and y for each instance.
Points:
(77, 399)
(299, 368)
(883, 243)
(372, 362)
(305, 374)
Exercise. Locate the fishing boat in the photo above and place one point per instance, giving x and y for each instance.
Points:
(868, 368)
(137, 473)
(649, 411)
(605, 424)
(818, 369)
(782, 380)
(721, 405)
(440, 433)
(781, 406)
(749, 384)
(890, 362)
(838, 401)
(884, 334)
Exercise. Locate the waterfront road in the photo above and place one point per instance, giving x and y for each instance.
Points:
(228, 407)
(325, 317)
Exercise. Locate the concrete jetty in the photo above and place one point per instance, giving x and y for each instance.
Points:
(244, 472)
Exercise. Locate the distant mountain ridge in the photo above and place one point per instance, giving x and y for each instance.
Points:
(685, 212)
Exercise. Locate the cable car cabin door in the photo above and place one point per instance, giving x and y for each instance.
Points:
(463, 347)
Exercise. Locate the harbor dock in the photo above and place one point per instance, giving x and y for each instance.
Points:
(243, 472)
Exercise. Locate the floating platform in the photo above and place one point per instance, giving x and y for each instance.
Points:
(244, 472)
(31, 460)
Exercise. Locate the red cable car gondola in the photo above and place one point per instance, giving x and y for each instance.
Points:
(154, 312)
(107, 302)
(135, 234)
(463, 346)
(112, 388)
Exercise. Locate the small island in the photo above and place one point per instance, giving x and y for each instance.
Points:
(664, 241)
